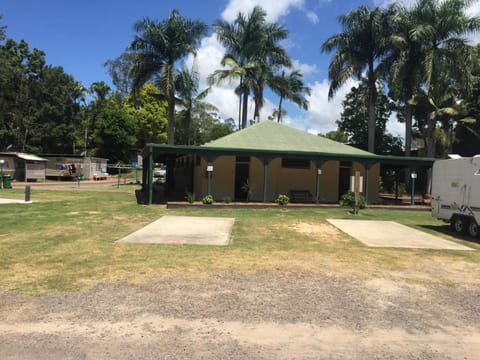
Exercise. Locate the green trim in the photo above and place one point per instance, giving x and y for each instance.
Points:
(364, 158)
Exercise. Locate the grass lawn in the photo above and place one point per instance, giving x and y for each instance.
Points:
(65, 240)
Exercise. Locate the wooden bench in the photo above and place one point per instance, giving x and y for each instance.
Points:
(301, 196)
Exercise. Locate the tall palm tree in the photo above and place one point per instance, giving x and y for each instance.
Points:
(358, 48)
(269, 58)
(159, 45)
(441, 29)
(253, 55)
(290, 87)
(405, 75)
(187, 85)
(241, 38)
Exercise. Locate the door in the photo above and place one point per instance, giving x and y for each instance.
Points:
(343, 181)
(241, 176)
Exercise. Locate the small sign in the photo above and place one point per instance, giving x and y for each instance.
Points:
(210, 168)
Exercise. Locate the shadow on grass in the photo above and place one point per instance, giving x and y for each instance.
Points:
(445, 229)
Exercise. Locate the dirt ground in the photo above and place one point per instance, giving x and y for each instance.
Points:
(262, 315)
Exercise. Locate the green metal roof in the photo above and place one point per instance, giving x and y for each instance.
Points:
(271, 136)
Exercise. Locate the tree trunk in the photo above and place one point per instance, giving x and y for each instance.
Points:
(408, 128)
(431, 119)
(245, 108)
(171, 120)
(372, 100)
(279, 115)
(240, 105)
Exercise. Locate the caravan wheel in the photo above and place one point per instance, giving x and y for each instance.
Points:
(473, 228)
(459, 225)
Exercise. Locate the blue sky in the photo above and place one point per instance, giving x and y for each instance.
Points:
(81, 36)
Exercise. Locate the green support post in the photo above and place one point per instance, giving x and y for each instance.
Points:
(265, 178)
(150, 176)
(209, 177)
(367, 173)
(317, 187)
(413, 175)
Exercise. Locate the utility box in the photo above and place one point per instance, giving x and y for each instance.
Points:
(456, 193)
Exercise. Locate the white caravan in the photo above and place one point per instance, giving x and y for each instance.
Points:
(456, 193)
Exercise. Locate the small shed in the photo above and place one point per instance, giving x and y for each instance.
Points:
(61, 166)
(23, 167)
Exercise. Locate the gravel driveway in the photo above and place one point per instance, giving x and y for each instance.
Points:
(267, 315)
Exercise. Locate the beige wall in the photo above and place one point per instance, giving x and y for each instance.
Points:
(222, 180)
(279, 180)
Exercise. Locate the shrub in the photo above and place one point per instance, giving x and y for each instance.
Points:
(227, 199)
(282, 200)
(348, 199)
(190, 197)
(207, 200)
(247, 188)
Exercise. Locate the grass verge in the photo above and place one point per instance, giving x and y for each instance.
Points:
(65, 240)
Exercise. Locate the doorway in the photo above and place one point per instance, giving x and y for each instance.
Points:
(345, 171)
(242, 170)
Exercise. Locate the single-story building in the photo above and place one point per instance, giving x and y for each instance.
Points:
(269, 159)
(60, 166)
(23, 167)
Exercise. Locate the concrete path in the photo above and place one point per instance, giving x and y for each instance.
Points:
(184, 230)
(12, 201)
(392, 234)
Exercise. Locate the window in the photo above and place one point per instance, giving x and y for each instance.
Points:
(295, 163)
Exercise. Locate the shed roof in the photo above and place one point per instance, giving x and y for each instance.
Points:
(272, 136)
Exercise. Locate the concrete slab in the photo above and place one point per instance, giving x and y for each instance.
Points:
(392, 234)
(12, 201)
(184, 230)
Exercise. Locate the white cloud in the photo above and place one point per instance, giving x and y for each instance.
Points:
(474, 10)
(305, 69)
(209, 56)
(385, 3)
(322, 112)
(394, 127)
(274, 8)
(312, 17)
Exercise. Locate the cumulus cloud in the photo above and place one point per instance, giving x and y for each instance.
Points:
(322, 112)
(305, 69)
(209, 56)
(274, 8)
(385, 3)
(474, 10)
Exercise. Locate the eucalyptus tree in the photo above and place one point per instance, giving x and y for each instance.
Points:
(290, 87)
(359, 48)
(253, 55)
(159, 45)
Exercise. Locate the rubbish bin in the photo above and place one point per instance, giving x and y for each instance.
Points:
(7, 181)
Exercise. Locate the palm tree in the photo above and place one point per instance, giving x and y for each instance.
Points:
(405, 76)
(269, 58)
(159, 45)
(359, 47)
(240, 38)
(441, 29)
(253, 55)
(291, 88)
(187, 83)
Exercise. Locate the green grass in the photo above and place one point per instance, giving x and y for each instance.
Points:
(65, 240)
